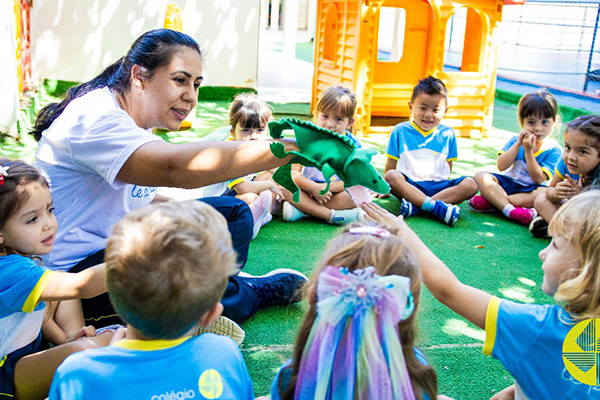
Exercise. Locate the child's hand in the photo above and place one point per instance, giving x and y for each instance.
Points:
(528, 141)
(276, 189)
(567, 188)
(315, 193)
(86, 331)
(119, 335)
(385, 218)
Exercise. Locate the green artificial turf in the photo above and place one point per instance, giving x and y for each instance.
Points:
(483, 250)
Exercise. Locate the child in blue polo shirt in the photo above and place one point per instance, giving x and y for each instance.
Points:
(578, 168)
(527, 159)
(420, 153)
(167, 269)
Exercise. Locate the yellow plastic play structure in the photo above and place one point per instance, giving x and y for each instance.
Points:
(348, 42)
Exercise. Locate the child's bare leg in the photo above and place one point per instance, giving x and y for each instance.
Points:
(505, 394)
(459, 193)
(308, 205)
(491, 190)
(525, 199)
(34, 373)
(247, 198)
(545, 208)
(402, 189)
(341, 201)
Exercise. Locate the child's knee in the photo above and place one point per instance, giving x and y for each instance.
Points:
(540, 200)
(469, 186)
(394, 177)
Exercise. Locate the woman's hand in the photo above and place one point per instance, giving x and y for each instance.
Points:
(394, 224)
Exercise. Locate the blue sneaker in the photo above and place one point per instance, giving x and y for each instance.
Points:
(446, 212)
(407, 208)
(279, 287)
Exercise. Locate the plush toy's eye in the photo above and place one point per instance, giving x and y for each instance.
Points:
(374, 180)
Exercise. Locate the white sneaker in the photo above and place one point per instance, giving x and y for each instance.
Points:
(291, 213)
(261, 211)
(343, 217)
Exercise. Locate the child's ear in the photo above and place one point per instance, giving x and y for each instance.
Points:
(211, 315)
(410, 106)
(350, 123)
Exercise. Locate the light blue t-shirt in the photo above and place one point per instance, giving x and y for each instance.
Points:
(547, 157)
(423, 155)
(22, 282)
(208, 366)
(528, 340)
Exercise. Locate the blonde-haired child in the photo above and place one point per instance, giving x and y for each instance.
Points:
(578, 168)
(27, 229)
(335, 112)
(528, 160)
(249, 117)
(168, 265)
(364, 298)
(528, 338)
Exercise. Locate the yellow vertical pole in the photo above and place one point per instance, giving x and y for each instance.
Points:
(173, 21)
(17, 4)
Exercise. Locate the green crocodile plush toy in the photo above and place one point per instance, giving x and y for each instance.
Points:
(328, 151)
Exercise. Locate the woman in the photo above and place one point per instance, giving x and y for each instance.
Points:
(102, 161)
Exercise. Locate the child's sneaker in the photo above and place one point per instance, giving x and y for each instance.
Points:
(261, 211)
(225, 327)
(343, 217)
(523, 215)
(280, 287)
(291, 213)
(448, 213)
(407, 208)
(539, 227)
(479, 203)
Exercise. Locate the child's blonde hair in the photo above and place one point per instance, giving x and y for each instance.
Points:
(16, 177)
(167, 265)
(390, 256)
(250, 111)
(578, 221)
(539, 103)
(337, 99)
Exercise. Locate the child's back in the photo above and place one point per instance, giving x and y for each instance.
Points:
(167, 269)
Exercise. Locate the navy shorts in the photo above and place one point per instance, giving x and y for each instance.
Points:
(511, 186)
(430, 188)
(7, 366)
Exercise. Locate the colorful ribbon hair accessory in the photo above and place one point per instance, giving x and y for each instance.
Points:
(353, 350)
(370, 230)
(3, 173)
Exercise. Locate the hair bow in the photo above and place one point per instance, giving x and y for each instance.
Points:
(3, 173)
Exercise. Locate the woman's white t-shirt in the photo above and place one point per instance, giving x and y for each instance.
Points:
(81, 154)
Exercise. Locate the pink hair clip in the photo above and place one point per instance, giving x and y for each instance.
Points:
(370, 230)
(3, 173)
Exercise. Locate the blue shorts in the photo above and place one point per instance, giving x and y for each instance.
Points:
(7, 366)
(430, 188)
(511, 186)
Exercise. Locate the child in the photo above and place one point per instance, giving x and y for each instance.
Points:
(27, 228)
(367, 286)
(578, 168)
(528, 338)
(248, 118)
(334, 111)
(167, 268)
(420, 153)
(528, 159)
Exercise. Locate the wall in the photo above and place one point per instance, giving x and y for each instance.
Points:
(9, 85)
(74, 40)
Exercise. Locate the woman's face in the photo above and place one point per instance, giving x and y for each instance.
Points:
(164, 100)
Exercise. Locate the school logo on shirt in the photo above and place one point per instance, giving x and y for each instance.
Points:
(581, 352)
(210, 384)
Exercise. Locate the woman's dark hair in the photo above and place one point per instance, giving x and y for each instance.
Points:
(152, 50)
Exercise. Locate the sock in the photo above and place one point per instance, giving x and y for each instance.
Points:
(507, 209)
(428, 204)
